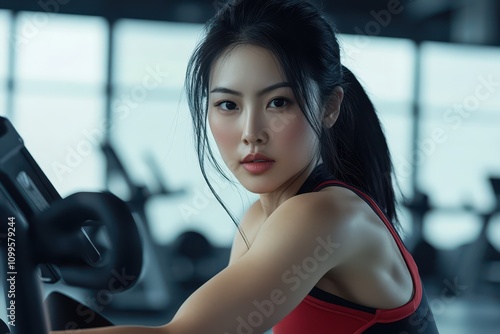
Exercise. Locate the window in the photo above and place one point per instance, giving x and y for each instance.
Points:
(59, 97)
(460, 118)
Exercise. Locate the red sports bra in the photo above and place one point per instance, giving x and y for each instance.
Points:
(323, 313)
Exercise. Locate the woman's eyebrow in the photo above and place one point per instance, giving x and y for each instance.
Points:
(260, 93)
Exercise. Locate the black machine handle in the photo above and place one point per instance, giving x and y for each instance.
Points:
(50, 235)
(56, 238)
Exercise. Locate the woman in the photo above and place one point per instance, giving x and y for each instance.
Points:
(318, 252)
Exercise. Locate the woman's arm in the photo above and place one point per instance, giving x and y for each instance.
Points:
(295, 247)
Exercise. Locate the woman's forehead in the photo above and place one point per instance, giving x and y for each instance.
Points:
(246, 64)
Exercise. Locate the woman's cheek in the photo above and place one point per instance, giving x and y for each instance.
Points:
(295, 135)
(223, 133)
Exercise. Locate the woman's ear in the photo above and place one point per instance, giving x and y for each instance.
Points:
(332, 110)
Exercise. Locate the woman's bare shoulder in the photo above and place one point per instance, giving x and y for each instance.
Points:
(342, 208)
(347, 213)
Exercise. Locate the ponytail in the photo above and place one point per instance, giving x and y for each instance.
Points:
(355, 148)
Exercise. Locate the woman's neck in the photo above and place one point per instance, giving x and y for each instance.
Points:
(272, 200)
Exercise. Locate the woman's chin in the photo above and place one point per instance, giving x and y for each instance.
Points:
(256, 187)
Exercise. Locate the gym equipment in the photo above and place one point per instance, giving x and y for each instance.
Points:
(480, 255)
(193, 261)
(172, 271)
(151, 293)
(475, 264)
(44, 238)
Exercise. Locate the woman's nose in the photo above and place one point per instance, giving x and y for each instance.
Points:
(254, 129)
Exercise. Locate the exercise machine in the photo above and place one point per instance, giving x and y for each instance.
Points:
(44, 242)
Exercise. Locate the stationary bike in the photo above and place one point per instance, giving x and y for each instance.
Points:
(44, 245)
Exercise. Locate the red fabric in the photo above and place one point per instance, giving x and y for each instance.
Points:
(316, 316)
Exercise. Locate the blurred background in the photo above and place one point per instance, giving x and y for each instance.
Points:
(95, 89)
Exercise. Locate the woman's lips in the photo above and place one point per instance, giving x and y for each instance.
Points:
(257, 167)
(256, 157)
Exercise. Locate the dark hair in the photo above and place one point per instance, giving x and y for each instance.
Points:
(354, 149)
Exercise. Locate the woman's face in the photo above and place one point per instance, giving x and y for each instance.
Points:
(252, 109)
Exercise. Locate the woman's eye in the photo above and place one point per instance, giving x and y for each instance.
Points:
(226, 105)
(278, 103)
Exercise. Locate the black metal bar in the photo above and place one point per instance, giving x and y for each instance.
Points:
(417, 215)
(109, 94)
(11, 59)
(109, 79)
(347, 15)
(416, 116)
